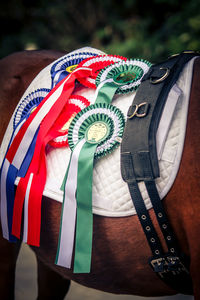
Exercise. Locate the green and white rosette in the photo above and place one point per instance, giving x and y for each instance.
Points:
(119, 78)
(94, 131)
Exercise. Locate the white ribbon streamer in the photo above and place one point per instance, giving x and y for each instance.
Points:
(26, 202)
(4, 219)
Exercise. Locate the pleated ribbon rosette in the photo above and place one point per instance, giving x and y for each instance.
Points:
(67, 64)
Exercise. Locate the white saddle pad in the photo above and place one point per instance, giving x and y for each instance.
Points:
(110, 193)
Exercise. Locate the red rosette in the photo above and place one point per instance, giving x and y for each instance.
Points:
(60, 128)
(97, 63)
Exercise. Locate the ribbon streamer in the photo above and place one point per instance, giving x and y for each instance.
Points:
(39, 179)
(68, 217)
(23, 111)
(84, 223)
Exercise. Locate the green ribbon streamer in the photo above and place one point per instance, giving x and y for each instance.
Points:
(106, 92)
(84, 221)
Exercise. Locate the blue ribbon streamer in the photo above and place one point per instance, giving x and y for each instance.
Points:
(10, 195)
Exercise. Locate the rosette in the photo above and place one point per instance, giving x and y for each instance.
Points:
(99, 124)
(28, 104)
(121, 77)
(96, 64)
(66, 65)
(75, 104)
(94, 131)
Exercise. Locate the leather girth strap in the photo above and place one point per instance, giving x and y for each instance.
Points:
(139, 163)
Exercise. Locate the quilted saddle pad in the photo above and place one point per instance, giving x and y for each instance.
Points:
(110, 193)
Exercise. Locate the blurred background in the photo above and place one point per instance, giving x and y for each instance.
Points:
(151, 30)
(133, 28)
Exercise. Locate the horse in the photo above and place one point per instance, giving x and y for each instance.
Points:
(120, 250)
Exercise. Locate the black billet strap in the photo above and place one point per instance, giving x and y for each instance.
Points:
(142, 212)
(161, 217)
(173, 266)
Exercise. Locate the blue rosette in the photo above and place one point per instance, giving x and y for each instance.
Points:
(66, 65)
(28, 104)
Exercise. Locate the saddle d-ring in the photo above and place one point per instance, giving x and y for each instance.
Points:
(161, 78)
(136, 110)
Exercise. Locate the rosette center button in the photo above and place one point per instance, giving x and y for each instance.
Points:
(97, 132)
(125, 77)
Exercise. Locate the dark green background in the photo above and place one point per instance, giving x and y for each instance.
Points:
(148, 29)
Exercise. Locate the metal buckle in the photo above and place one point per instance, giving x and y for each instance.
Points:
(161, 78)
(158, 265)
(175, 265)
(136, 111)
(168, 264)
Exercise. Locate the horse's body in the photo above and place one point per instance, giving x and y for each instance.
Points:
(120, 250)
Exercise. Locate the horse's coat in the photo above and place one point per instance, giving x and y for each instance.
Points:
(120, 251)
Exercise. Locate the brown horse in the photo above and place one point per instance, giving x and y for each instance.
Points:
(120, 250)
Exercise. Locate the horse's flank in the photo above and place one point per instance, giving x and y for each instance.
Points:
(120, 251)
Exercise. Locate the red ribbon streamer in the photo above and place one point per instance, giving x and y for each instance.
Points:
(38, 163)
